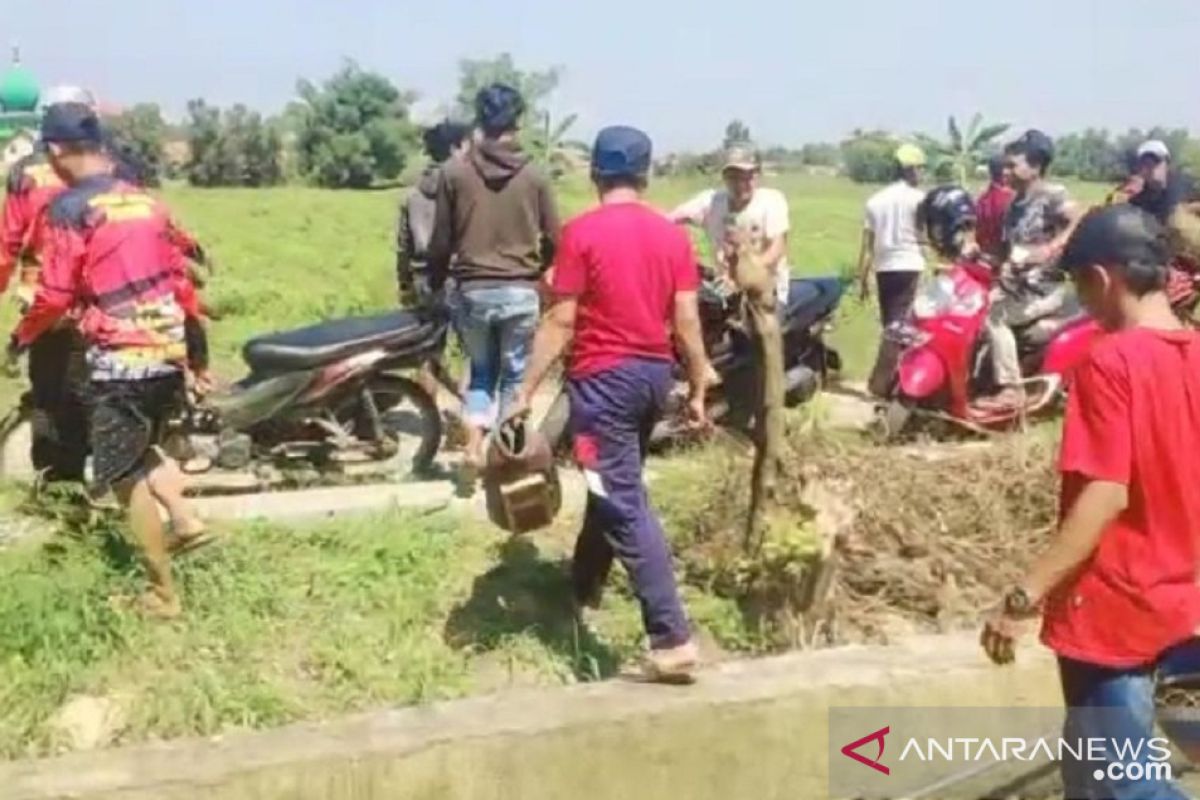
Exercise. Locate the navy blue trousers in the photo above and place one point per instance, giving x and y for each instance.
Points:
(612, 415)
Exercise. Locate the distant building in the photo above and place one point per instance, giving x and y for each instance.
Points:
(19, 95)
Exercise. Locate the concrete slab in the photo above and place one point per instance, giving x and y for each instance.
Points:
(313, 504)
(754, 729)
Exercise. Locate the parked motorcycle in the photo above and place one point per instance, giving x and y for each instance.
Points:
(945, 363)
(811, 305)
(325, 395)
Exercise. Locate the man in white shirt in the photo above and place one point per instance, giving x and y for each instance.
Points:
(891, 248)
(743, 211)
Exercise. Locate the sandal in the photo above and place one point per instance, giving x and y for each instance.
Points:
(152, 604)
(180, 544)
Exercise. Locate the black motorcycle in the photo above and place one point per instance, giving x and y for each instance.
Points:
(325, 394)
(808, 360)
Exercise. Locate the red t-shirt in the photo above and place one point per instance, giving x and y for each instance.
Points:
(1133, 417)
(991, 209)
(624, 262)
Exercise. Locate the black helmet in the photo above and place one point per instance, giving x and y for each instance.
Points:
(498, 108)
(1119, 235)
(947, 212)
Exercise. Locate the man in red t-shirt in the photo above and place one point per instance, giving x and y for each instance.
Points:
(991, 209)
(1117, 587)
(623, 277)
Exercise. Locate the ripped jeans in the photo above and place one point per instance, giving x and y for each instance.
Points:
(496, 326)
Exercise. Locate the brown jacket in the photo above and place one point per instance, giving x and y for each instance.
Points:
(496, 221)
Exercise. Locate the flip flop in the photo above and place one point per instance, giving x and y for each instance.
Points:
(182, 544)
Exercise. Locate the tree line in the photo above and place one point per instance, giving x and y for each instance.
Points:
(352, 130)
(355, 130)
(959, 155)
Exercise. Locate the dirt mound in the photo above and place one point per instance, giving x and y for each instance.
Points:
(870, 542)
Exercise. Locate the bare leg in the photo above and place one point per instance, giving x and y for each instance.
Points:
(167, 484)
(147, 531)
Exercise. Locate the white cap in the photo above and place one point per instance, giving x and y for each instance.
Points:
(57, 95)
(1156, 148)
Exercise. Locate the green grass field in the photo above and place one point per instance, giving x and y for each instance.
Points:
(286, 624)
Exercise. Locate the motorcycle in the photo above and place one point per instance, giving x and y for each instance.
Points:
(808, 360)
(945, 362)
(324, 395)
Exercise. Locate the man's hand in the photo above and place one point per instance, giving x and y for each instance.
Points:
(521, 406)
(999, 638)
(200, 382)
(12, 359)
(697, 414)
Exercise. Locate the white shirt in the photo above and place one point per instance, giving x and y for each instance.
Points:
(764, 219)
(892, 217)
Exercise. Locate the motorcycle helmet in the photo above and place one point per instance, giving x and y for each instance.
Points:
(948, 212)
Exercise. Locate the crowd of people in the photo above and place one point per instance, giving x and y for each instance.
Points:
(114, 328)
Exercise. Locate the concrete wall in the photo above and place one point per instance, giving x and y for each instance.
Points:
(754, 730)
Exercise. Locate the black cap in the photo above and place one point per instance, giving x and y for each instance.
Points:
(621, 152)
(1115, 235)
(71, 123)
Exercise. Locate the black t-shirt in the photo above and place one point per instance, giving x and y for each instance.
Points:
(1161, 201)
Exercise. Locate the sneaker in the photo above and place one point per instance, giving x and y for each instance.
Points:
(675, 666)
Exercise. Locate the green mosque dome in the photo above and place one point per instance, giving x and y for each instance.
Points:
(18, 90)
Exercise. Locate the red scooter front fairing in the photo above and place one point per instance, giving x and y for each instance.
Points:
(937, 367)
(922, 373)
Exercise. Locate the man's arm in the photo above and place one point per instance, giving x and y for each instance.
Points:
(694, 210)
(441, 242)
(548, 220)
(691, 341)
(866, 257)
(1097, 506)
(14, 224)
(555, 332)
(58, 284)
(404, 250)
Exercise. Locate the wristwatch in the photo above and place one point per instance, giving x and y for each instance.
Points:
(1019, 603)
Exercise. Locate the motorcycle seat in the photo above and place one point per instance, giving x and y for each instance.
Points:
(1040, 331)
(326, 342)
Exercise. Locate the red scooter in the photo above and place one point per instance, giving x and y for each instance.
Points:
(945, 364)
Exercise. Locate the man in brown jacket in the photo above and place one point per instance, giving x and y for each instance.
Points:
(495, 228)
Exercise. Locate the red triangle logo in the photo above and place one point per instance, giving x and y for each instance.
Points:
(851, 750)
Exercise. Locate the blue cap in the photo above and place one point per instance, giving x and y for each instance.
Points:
(621, 152)
(70, 123)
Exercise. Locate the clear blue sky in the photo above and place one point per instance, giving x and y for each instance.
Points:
(794, 70)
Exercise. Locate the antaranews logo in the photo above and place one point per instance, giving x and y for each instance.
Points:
(879, 737)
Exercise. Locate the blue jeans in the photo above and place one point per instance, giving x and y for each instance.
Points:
(496, 326)
(1112, 705)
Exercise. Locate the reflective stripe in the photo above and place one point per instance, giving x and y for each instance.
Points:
(131, 291)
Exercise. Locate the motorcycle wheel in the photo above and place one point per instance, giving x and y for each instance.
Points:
(890, 421)
(411, 422)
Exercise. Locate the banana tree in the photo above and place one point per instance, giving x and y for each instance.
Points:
(963, 150)
(548, 144)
